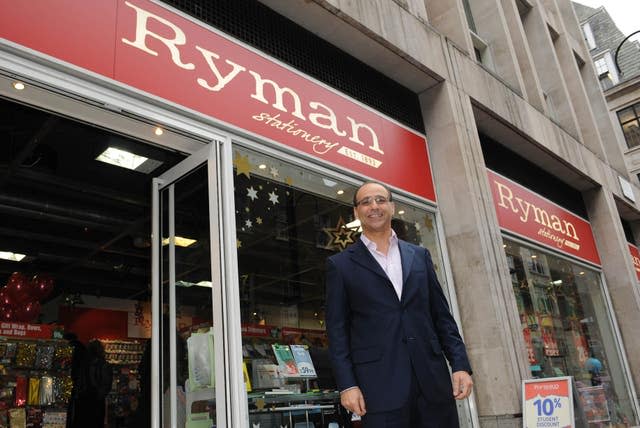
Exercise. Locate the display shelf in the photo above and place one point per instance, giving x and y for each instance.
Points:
(35, 381)
(124, 356)
(289, 409)
(123, 352)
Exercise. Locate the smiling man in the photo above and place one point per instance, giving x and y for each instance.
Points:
(390, 328)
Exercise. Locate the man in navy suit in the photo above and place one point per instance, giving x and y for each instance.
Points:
(390, 327)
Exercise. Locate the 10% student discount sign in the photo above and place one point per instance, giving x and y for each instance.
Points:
(547, 403)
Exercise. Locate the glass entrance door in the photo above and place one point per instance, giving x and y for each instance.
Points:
(187, 358)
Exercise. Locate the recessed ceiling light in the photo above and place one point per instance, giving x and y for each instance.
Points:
(180, 241)
(14, 257)
(534, 256)
(18, 86)
(128, 160)
(340, 192)
(262, 166)
(581, 273)
(401, 212)
(158, 131)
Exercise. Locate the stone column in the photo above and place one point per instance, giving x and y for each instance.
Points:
(488, 310)
(618, 271)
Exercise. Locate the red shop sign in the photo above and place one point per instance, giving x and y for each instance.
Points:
(154, 49)
(635, 256)
(524, 213)
(26, 331)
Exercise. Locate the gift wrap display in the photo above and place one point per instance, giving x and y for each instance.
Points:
(35, 382)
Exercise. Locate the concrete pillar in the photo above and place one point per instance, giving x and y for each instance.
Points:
(532, 89)
(491, 26)
(549, 72)
(618, 270)
(481, 279)
(579, 100)
(449, 19)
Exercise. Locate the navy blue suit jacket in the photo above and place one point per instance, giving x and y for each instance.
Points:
(375, 339)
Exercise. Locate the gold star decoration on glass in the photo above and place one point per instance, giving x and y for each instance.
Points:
(340, 236)
(242, 164)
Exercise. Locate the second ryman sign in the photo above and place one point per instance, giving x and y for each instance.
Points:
(527, 214)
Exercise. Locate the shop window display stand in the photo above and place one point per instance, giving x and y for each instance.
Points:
(34, 360)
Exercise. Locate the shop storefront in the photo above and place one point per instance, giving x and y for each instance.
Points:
(565, 313)
(250, 177)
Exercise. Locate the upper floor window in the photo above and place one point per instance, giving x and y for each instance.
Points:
(605, 71)
(629, 119)
(601, 66)
(469, 15)
(588, 35)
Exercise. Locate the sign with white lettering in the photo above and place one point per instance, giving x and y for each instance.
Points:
(635, 257)
(524, 213)
(26, 331)
(547, 403)
(154, 49)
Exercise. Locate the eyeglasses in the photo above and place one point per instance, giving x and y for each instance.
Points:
(368, 200)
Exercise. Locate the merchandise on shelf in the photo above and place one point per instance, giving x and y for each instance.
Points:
(124, 356)
(35, 381)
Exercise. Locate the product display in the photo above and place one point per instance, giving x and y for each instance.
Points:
(124, 356)
(35, 381)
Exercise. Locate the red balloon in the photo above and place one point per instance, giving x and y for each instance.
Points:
(6, 314)
(28, 312)
(5, 299)
(18, 288)
(41, 286)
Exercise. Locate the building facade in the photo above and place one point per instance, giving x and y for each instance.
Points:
(486, 118)
(618, 75)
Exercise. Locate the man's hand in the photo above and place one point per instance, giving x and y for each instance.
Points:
(462, 385)
(353, 401)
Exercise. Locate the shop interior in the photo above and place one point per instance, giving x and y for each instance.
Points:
(75, 247)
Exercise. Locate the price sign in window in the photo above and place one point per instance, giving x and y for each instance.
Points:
(547, 402)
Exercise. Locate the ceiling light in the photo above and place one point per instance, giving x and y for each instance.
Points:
(262, 166)
(534, 256)
(581, 273)
(18, 86)
(340, 192)
(401, 212)
(504, 245)
(557, 282)
(128, 160)
(14, 257)
(182, 283)
(158, 131)
(179, 241)
(121, 158)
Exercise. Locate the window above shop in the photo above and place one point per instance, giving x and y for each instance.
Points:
(629, 119)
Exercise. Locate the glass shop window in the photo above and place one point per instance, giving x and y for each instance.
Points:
(289, 219)
(567, 332)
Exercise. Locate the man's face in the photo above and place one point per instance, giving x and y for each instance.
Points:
(374, 209)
